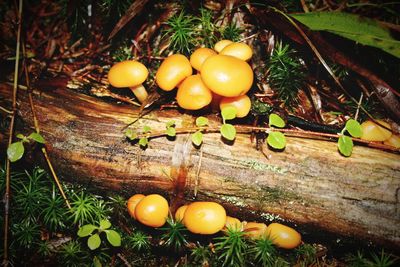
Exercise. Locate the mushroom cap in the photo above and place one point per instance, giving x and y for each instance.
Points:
(238, 50)
(254, 230)
(152, 210)
(204, 217)
(199, 56)
(227, 75)
(242, 104)
(373, 132)
(232, 223)
(221, 45)
(393, 141)
(172, 71)
(127, 73)
(283, 236)
(132, 203)
(180, 212)
(193, 94)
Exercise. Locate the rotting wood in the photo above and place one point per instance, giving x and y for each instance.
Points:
(308, 183)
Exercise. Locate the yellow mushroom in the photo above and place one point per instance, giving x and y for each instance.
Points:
(199, 56)
(173, 70)
(227, 75)
(242, 104)
(239, 50)
(221, 45)
(132, 74)
(373, 132)
(193, 94)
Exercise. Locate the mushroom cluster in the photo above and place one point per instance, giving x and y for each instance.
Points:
(223, 77)
(207, 218)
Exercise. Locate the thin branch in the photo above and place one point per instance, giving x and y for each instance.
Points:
(244, 129)
(10, 138)
(37, 129)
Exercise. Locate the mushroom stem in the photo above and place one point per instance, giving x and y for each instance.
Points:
(140, 92)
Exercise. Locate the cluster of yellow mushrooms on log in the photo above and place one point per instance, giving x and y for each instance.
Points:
(223, 77)
(207, 218)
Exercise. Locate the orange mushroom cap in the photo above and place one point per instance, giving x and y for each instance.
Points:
(227, 75)
(242, 104)
(193, 94)
(132, 203)
(221, 45)
(152, 210)
(204, 217)
(127, 73)
(238, 50)
(373, 132)
(254, 230)
(172, 71)
(199, 56)
(132, 74)
(283, 236)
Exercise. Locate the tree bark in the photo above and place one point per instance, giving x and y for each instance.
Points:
(309, 182)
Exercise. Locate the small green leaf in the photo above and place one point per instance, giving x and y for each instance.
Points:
(170, 123)
(113, 237)
(228, 131)
(86, 230)
(94, 241)
(276, 120)
(345, 145)
(228, 113)
(130, 134)
(146, 129)
(20, 136)
(15, 151)
(197, 138)
(37, 137)
(276, 140)
(201, 121)
(104, 224)
(171, 131)
(143, 141)
(96, 262)
(354, 128)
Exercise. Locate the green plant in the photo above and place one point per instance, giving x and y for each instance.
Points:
(26, 233)
(232, 32)
(54, 211)
(306, 254)
(345, 143)
(43, 249)
(16, 150)
(275, 139)
(263, 251)
(170, 128)
(231, 248)
(138, 241)
(94, 239)
(30, 194)
(197, 137)
(115, 7)
(201, 255)
(206, 30)
(143, 141)
(181, 33)
(228, 131)
(71, 254)
(381, 260)
(286, 74)
(175, 234)
(86, 208)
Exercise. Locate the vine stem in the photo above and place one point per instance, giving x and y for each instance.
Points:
(10, 137)
(289, 132)
(37, 129)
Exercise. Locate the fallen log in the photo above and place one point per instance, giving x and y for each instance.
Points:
(308, 183)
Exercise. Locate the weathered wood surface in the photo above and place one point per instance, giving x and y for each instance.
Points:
(308, 183)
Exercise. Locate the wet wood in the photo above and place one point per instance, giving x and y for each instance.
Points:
(308, 183)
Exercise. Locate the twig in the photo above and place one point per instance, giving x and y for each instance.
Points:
(289, 132)
(10, 137)
(358, 106)
(6, 110)
(37, 129)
